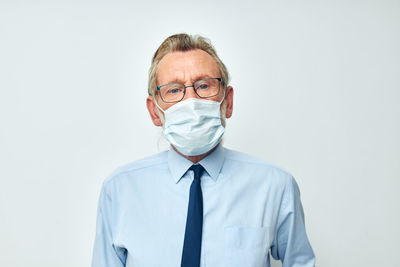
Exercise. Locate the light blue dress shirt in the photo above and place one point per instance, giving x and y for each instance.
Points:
(252, 210)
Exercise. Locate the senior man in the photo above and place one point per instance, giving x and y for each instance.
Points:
(197, 204)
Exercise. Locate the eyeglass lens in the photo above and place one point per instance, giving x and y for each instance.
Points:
(175, 92)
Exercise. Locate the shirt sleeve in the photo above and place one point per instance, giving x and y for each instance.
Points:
(291, 244)
(105, 253)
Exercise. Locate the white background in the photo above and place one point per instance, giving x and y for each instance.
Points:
(317, 91)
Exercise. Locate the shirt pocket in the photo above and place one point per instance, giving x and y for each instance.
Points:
(246, 246)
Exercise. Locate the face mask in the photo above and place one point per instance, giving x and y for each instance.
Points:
(193, 126)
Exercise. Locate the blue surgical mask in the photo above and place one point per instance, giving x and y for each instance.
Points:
(193, 126)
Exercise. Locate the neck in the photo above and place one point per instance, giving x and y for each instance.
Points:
(195, 159)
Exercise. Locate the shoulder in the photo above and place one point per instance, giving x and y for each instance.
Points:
(241, 158)
(128, 170)
(259, 167)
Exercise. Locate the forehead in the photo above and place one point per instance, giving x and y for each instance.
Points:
(186, 66)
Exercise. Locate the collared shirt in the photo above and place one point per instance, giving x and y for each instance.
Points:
(251, 208)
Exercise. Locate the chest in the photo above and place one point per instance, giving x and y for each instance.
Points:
(237, 226)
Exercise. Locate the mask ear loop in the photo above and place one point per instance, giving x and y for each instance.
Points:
(223, 98)
(155, 101)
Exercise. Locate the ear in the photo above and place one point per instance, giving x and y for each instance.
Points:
(152, 108)
(229, 101)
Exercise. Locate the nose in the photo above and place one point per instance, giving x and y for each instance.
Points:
(190, 93)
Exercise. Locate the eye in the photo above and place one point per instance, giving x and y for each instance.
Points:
(202, 86)
(174, 90)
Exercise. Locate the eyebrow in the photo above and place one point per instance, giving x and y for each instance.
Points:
(197, 78)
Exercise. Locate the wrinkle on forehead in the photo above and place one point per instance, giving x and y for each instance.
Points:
(186, 67)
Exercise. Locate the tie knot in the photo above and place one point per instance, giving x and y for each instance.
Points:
(198, 170)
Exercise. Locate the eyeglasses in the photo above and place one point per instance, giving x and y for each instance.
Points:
(175, 92)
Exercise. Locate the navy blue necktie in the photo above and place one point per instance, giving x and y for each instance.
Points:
(194, 222)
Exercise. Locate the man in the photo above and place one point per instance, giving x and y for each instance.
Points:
(197, 204)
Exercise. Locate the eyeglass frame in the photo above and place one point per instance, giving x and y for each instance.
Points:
(220, 81)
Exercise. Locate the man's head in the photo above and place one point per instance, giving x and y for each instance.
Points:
(189, 94)
(185, 59)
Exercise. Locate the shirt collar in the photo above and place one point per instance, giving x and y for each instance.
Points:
(178, 165)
